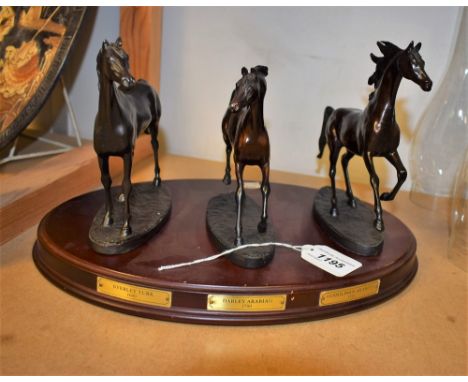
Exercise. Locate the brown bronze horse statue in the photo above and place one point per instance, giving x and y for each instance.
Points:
(244, 132)
(126, 107)
(374, 131)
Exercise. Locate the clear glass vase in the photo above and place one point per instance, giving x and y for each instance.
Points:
(441, 137)
(458, 238)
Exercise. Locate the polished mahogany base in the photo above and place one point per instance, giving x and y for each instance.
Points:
(288, 289)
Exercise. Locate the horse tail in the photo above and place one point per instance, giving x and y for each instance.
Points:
(155, 111)
(323, 138)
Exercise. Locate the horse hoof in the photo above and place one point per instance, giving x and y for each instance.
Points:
(121, 198)
(379, 226)
(108, 221)
(352, 203)
(386, 196)
(227, 179)
(262, 226)
(157, 182)
(334, 212)
(238, 242)
(125, 231)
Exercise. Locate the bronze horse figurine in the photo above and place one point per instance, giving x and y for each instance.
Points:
(126, 107)
(244, 131)
(374, 131)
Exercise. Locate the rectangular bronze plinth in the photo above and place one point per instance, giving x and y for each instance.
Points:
(355, 292)
(244, 303)
(134, 293)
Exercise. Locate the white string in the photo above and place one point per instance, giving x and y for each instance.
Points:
(227, 252)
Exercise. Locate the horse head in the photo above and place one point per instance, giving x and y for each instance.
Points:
(113, 64)
(251, 87)
(411, 66)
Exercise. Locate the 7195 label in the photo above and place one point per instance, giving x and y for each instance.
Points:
(329, 260)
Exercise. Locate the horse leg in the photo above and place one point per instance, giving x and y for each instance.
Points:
(127, 188)
(395, 160)
(239, 199)
(344, 162)
(227, 172)
(154, 142)
(334, 153)
(106, 181)
(374, 180)
(262, 226)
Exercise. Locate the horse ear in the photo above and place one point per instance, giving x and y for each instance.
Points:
(417, 47)
(105, 44)
(244, 71)
(119, 42)
(410, 46)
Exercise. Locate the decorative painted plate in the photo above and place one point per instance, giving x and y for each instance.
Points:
(34, 44)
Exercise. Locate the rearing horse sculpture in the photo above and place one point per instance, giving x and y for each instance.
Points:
(244, 131)
(374, 131)
(126, 107)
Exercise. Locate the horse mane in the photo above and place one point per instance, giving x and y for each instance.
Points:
(389, 51)
(98, 62)
(260, 69)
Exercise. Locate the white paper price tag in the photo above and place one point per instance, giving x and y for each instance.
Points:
(329, 260)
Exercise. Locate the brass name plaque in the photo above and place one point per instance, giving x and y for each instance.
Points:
(134, 293)
(355, 292)
(243, 303)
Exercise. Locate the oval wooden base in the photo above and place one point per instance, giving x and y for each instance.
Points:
(219, 292)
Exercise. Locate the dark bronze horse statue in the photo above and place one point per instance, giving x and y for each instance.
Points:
(126, 107)
(374, 131)
(244, 132)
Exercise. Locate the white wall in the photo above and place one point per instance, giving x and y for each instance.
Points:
(316, 56)
(80, 73)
